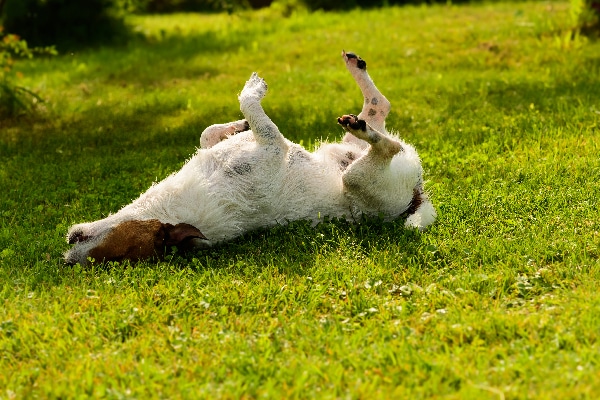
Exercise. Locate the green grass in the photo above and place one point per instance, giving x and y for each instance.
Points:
(499, 299)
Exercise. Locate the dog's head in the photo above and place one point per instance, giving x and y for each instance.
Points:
(132, 240)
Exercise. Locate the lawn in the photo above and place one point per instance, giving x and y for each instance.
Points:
(499, 299)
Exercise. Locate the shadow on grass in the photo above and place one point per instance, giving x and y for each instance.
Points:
(504, 113)
(578, 88)
(291, 250)
(146, 61)
(296, 247)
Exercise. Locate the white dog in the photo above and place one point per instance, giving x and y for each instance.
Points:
(246, 176)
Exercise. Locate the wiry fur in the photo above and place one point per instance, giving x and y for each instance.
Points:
(242, 180)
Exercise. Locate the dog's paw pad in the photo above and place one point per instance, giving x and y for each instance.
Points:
(352, 60)
(351, 122)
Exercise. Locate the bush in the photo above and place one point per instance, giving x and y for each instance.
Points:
(14, 98)
(163, 6)
(66, 23)
(585, 15)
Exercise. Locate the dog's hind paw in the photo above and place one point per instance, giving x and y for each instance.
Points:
(233, 128)
(240, 126)
(353, 61)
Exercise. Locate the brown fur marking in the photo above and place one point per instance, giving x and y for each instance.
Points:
(416, 201)
(136, 240)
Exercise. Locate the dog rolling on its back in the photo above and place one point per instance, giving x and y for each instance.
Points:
(247, 175)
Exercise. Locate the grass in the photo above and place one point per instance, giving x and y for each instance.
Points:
(499, 299)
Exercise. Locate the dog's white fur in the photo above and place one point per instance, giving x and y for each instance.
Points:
(241, 180)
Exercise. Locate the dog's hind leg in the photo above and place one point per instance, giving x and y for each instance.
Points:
(265, 131)
(375, 107)
(218, 132)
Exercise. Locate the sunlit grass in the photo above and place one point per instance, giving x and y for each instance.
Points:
(497, 300)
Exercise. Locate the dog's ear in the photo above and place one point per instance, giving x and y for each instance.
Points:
(176, 235)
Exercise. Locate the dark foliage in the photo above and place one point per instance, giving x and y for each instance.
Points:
(161, 6)
(65, 23)
(69, 24)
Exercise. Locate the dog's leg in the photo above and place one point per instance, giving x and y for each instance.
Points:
(370, 181)
(367, 179)
(265, 131)
(218, 132)
(375, 107)
(383, 146)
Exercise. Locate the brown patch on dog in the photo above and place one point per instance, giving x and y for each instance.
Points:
(137, 240)
(415, 202)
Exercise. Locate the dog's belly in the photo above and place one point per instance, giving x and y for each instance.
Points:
(259, 186)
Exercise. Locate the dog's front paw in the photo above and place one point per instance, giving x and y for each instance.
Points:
(352, 123)
(353, 61)
(255, 87)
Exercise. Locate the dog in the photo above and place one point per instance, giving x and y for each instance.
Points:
(246, 175)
